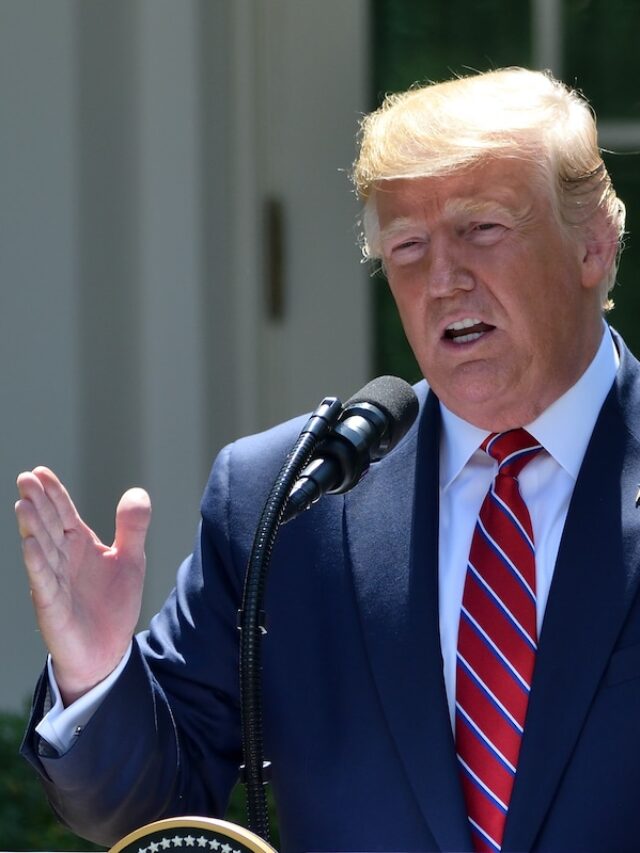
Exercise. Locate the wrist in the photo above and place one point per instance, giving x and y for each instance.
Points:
(73, 685)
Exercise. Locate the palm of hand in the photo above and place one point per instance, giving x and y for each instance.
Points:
(86, 595)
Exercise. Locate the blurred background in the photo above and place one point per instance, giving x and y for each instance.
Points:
(178, 235)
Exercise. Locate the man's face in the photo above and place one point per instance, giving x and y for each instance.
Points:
(500, 306)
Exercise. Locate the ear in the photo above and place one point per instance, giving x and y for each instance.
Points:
(598, 248)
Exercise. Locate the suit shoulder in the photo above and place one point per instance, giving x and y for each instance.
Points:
(249, 465)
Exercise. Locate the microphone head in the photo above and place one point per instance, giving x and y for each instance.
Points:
(396, 398)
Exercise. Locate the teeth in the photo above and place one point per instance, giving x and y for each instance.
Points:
(464, 339)
(463, 324)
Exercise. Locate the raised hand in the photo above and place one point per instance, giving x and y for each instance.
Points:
(86, 595)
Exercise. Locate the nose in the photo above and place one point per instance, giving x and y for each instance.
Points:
(447, 270)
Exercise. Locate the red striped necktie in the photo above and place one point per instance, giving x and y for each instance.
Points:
(497, 641)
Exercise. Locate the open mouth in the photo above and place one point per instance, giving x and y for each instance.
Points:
(467, 330)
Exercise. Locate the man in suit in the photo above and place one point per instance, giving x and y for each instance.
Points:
(488, 203)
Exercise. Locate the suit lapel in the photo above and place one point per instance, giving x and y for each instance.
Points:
(594, 582)
(392, 533)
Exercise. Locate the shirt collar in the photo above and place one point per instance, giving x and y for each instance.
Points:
(564, 429)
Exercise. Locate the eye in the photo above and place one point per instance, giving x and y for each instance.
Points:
(406, 251)
(486, 233)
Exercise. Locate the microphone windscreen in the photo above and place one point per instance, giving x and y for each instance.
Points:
(397, 400)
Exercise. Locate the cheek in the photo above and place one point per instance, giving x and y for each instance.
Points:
(539, 325)
(408, 294)
(413, 317)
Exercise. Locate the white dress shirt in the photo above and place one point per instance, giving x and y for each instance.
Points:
(60, 726)
(546, 485)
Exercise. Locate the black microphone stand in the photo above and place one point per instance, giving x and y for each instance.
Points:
(254, 771)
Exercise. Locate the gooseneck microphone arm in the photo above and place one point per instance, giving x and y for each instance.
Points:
(250, 618)
(337, 446)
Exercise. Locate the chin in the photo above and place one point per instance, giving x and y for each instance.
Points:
(455, 394)
(483, 408)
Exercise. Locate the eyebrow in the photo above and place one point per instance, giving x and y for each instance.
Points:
(452, 207)
(397, 225)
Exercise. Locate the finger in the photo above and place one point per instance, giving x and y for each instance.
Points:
(28, 484)
(31, 489)
(31, 525)
(133, 516)
(42, 581)
(59, 497)
(23, 515)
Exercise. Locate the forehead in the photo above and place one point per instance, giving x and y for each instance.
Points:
(508, 185)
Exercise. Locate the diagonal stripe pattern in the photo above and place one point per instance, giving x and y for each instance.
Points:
(497, 641)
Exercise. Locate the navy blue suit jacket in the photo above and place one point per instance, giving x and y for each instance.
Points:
(356, 719)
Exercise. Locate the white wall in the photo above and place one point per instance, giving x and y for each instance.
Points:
(140, 138)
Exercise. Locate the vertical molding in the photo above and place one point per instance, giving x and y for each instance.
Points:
(108, 297)
(232, 192)
(213, 63)
(230, 222)
(547, 35)
(170, 268)
(246, 210)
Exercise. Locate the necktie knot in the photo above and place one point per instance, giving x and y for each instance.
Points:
(512, 450)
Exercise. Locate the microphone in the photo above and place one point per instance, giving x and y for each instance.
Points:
(371, 424)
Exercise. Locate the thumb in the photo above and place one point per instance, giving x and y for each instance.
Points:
(133, 515)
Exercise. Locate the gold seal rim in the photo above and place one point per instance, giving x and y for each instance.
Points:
(231, 830)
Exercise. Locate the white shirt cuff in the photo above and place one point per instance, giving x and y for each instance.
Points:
(61, 726)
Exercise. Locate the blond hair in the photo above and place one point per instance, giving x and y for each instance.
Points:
(442, 128)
